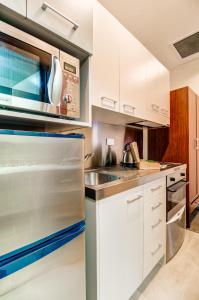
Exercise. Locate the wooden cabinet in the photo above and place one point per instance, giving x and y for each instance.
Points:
(133, 59)
(154, 224)
(184, 139)
(72, 20)
(125, 239)
(105, 59)
(17, 5)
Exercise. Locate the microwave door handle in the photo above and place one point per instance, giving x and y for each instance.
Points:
(55, 82)
(50, 80)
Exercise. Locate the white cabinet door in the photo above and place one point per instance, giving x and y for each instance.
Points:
(121, 244)
(112, 248)
(134, 246)
(154, 224)
(133, 59)
(17, 5)
(158, 89)
(105, 59)
(59, 17)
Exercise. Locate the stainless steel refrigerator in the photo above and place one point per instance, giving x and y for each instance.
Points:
(42, 225)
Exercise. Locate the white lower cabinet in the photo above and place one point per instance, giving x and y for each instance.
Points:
(134, 240)
(125, 239)
(111, 239)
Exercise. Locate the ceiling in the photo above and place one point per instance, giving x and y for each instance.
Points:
(158, 24)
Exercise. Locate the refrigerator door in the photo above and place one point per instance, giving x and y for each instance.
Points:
(54, 270)
(42, 186)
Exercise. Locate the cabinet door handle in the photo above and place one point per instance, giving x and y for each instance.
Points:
(156, 188)
(197, 143)
(135, 199)
(46, 5)
(108, 102)
(156, 250)
(129, 108)
(155, 107)
(164, 111)
(156, 206)
(156, 224)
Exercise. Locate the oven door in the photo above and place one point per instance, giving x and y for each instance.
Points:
(176, 232)
(176, 198)
(30, 72)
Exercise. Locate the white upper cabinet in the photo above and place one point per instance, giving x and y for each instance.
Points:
(133, 59)
(126, 76)
(17, 5)
(72, 20)
(158, 88)
(105, 59)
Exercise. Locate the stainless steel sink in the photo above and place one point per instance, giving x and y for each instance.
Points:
(94, 178)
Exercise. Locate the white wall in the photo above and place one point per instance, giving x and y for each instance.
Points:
(186, 75)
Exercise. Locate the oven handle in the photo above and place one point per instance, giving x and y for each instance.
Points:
(175, 190)
(178, 216)
(55, 82)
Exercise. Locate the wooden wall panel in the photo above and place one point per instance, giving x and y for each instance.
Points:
(177, 151)
(158, 141)
(192, 111)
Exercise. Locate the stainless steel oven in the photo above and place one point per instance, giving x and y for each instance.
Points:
(176, 211)
(37, 77)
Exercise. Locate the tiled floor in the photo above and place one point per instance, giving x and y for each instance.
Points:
(179, 279)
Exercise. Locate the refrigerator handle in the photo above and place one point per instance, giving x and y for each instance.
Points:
(25, 258)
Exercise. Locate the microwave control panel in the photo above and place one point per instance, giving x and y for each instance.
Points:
(70, 96)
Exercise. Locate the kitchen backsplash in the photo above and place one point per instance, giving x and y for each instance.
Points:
(95, 141)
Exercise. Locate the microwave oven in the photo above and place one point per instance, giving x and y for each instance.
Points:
(36, 76)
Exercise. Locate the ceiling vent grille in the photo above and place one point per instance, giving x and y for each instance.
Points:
(188, 46)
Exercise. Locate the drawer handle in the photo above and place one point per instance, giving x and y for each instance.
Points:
(108, 102)
(133, 200)
(129, 108)
(156, 250)
(156, 206)
(155, 107)
(156, 224)
(156, 188)
(164, 111)
(46, 5)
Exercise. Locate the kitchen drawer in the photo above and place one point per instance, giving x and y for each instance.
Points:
(154, 246)
(156, 187)
(154, 223)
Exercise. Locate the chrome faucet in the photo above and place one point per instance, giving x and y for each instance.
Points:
(88, 155)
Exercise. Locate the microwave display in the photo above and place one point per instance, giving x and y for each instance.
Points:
(69, 68)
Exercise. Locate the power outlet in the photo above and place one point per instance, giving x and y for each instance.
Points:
(110, 141)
